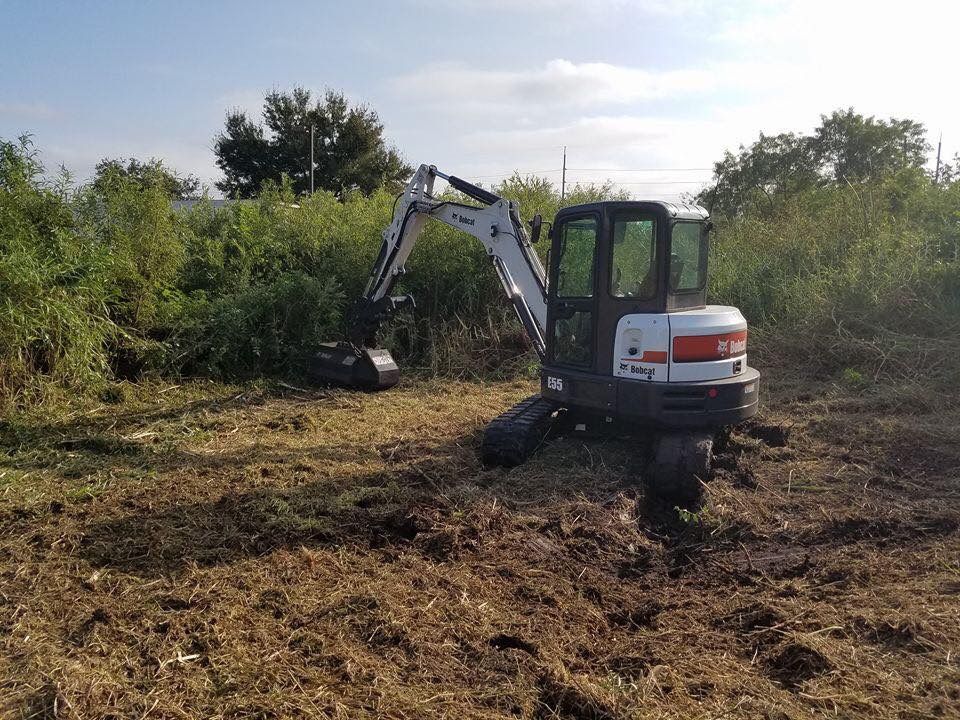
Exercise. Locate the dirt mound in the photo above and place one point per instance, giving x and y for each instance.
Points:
(793, 664)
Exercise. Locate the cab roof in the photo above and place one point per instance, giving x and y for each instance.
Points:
(678, 211)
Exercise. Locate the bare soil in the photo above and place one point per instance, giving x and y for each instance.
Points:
(208, 552)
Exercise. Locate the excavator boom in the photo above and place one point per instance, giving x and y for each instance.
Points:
(357, 361)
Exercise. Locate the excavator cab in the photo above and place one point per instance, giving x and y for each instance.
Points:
(615, 259)
(629, 333)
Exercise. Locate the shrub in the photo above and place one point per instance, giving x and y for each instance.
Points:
(864, 274)
(271, 328)
(54, 327)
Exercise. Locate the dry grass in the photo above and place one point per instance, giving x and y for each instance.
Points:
(207, 552)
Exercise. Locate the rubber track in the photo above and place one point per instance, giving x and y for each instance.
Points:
(680, 461)
(513, 436)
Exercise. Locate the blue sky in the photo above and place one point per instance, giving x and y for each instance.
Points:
(478, 87)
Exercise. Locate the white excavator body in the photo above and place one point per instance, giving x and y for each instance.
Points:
(619, 321)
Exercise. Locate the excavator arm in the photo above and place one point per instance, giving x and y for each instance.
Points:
(495, 223)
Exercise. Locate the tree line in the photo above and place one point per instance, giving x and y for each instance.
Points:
(351, 154)
(841, 234)
(846, 148)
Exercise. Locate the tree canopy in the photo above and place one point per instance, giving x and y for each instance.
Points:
(349, 148)
(152, 173)
(846, 148)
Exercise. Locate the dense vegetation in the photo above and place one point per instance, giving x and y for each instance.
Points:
(104, 281)
(841, 246)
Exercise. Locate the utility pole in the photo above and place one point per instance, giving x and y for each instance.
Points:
(563, 177)
(936, 175)
(312, 129)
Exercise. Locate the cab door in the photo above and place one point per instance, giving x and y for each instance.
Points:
(634, 326)
(571, 300)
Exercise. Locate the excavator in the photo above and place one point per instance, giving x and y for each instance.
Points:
(620, 323)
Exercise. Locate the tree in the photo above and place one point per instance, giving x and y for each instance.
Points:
(350, 151)
(845, 148)
(950, 171)
(772, 165)
(152, 173)
(852, 147)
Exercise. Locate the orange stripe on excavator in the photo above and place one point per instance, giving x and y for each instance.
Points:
(702, 348)
(657, 357)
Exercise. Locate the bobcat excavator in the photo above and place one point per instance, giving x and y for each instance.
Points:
(622, 328)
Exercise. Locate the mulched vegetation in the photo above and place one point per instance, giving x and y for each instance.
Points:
(208, 552)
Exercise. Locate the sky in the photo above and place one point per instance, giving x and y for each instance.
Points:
(646, 93)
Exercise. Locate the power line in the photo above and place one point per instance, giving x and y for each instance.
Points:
(560, 170)
(651, 182)
(592, 145)
(701, 169)
(514, 172)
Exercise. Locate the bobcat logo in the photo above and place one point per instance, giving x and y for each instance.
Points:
(731, 346)
(624, 366)
(647, 373)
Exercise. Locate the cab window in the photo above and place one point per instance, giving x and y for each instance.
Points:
(688, 255)
(578, 240)
(634, 271)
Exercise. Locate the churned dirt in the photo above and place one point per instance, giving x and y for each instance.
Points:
(208, 552)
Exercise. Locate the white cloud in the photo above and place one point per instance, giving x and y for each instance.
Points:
(770, 68)
(610, 117)
(558, 82)
(883, 58)
(27, 111)
(599, 148)
(81, 157)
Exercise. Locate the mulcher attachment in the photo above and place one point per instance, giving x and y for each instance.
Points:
(513, 436)
(350, 366)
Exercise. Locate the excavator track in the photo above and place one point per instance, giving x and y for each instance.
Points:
(681, 460)
(513, 436)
